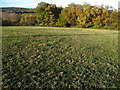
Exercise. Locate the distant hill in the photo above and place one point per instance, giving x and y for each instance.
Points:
(18, 10)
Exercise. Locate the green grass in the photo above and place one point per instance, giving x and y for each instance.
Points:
(50, 57)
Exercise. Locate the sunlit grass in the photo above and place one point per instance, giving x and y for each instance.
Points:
(59, 57)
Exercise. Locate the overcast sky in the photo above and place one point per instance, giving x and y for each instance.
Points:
(64, 3)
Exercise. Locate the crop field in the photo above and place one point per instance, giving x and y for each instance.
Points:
(51, 57)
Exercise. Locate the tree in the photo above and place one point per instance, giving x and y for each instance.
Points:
(61, 21)
(101, 16)
(47, 14)
(93, 16)
(113, 19)
(28, 20)
(40, 10)
(69, 13)
(14, 18)
(85, 17)
(51, 15)
(10, 19)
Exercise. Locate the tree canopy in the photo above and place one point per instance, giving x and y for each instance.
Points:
(74, 15)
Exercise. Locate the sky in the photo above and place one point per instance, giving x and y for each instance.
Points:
(64, 3)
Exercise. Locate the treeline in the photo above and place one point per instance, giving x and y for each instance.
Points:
(17, 10)
(74, 15)
(14, 19)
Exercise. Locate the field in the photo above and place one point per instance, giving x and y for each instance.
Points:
(47, 57)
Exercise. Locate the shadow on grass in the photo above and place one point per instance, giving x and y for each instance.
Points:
(45, 35)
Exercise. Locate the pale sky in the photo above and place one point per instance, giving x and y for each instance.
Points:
(64, 3)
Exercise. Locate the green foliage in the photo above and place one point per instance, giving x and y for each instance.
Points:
(41, 13)
(47, 14)
(61, 21)
(34, 57)
(98, 26)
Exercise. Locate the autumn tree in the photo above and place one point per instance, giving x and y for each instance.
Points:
(101, 16)
(85, 17)
(113, 19)
(47, 14)
(52, 14)
(14, 18)
(69, 13)
(28, 20)
(10, 19)
(94, 16)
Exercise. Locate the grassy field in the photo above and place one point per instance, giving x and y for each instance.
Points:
(50, 57)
